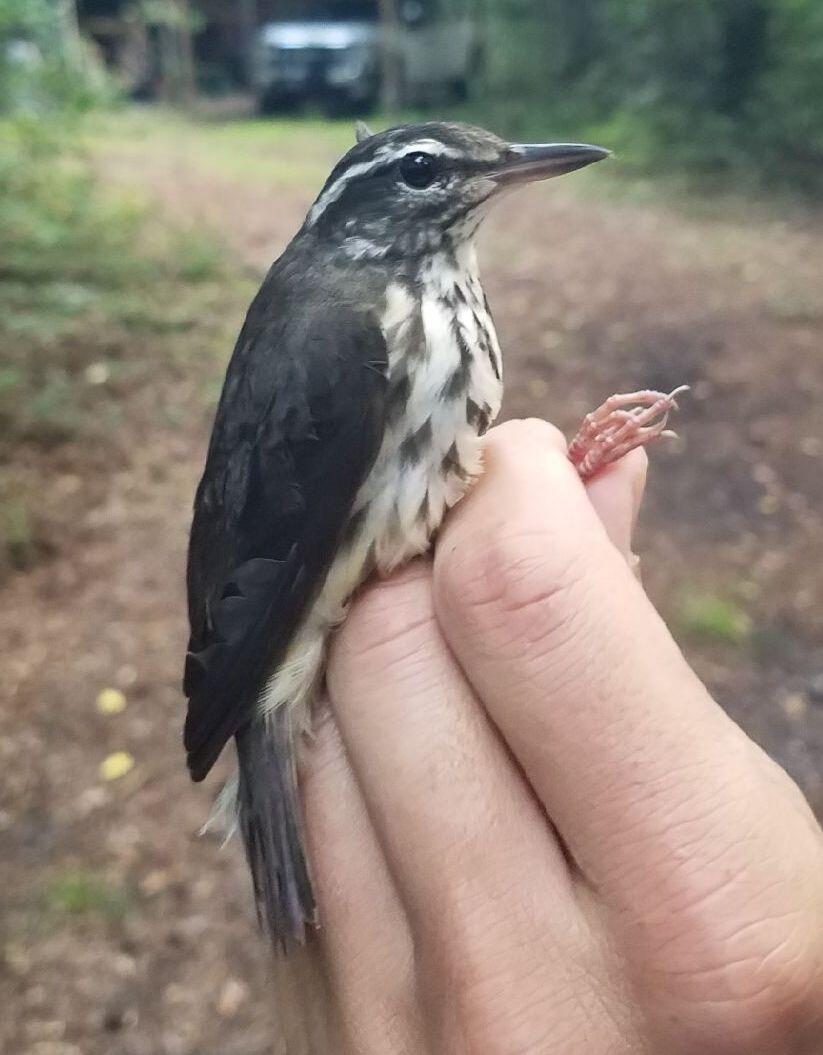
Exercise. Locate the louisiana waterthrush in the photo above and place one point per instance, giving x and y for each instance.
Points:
(351, 419)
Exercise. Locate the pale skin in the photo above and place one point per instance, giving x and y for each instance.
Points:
(532, 829)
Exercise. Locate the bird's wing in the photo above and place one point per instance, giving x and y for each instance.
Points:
(299, 425)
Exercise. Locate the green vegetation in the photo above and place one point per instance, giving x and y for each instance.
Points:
(709, 618)
(95, 290)
(713, 86)
(86, 894)
(283, 153)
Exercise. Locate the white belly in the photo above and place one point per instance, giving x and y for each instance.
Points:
(430, 452)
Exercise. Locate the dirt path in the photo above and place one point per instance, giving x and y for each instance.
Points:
(591, 296)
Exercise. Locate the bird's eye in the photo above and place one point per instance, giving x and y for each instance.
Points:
(418, 170)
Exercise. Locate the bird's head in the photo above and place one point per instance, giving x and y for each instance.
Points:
(409, 191)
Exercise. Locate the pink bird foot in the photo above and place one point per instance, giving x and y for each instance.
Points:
(620, 425)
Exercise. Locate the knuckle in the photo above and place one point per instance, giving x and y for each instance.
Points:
(523, 1000)
(521, 579)
(745, 958)
(782, 988)
(774, 981)
(769, 1001)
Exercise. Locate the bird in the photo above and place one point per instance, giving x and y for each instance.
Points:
(351, 420)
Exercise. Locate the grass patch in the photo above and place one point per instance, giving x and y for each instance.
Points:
(17, 532)
(709, 618)
(86, 894)
(79, 277)
(278, 152)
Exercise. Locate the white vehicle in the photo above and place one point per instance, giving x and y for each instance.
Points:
(337, 54)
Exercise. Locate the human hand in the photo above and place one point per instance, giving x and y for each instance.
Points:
(532, 830)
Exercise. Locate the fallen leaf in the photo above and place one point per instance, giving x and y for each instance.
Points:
(233, 994)
(116, 765)
(794, 705)
(111, 701)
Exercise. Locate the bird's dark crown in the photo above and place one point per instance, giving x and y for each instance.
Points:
(407, 191)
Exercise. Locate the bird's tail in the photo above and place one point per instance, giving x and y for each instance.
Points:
(269, 817)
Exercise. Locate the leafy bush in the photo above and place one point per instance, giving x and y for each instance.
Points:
(45, 66)
(714, 85)
(89, 285)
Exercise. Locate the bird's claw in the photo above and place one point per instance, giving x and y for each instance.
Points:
(621, 424)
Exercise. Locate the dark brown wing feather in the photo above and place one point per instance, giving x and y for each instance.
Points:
(299, 424)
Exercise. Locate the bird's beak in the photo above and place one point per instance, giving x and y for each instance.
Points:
(527, 162)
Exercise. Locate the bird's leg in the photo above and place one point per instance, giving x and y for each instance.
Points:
(618, 426)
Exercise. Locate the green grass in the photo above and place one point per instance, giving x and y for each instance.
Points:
(17, 533)
(281, 153)
(80, 893)
(712, 619)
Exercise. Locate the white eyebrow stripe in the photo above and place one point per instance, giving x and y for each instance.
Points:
(430, 146)
(332, 193)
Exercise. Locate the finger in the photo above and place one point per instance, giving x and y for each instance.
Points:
(575, 667)
(365, 937)
(616, 494)
(474, 860)
(437, 781)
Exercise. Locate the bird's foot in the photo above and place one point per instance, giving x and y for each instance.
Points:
(620, 425)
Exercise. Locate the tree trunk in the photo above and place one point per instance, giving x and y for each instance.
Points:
(70, 40)
(391, 80)
(248, 23)
(579, 26)
(186, 80)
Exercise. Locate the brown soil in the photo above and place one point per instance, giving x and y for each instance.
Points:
(591, 297)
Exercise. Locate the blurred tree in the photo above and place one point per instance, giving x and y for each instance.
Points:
(391, 78)
(173, 21)
(744, 44)
(44, 64)
(716, 83)
(785, 114)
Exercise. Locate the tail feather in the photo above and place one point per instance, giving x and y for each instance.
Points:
(270, 821)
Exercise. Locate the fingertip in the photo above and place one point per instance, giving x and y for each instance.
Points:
(616, 494)
(525, 434)
(629, 471)
(524, 462)
(528, 505)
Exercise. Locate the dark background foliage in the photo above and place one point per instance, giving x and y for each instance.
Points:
(713, 85)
